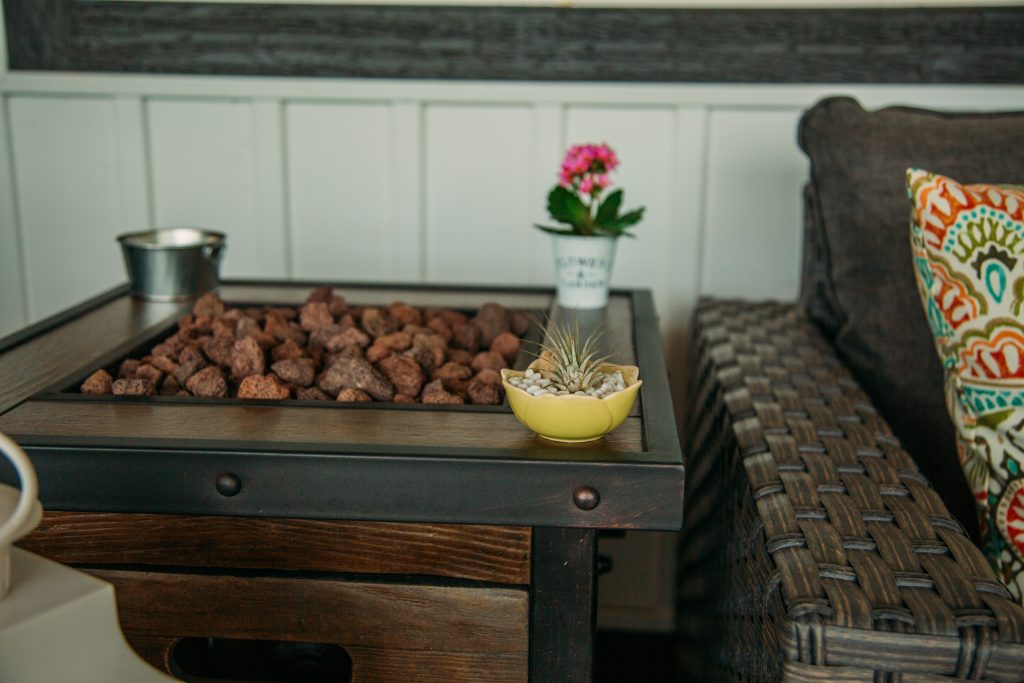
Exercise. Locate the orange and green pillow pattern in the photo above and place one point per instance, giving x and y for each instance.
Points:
(968, 245)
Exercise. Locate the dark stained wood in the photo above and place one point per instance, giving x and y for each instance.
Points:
(34, 365)
(375, 664)
(480, 553)
(154, 649)
(563, 610)
(131, 424)
(381, 625)
(934, 45)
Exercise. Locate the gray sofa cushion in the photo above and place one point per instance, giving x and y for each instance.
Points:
(858, 274)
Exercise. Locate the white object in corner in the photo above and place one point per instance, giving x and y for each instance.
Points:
(56, 624)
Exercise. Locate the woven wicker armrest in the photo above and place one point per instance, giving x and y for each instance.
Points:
(813, 549)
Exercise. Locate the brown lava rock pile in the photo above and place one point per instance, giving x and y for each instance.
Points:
(327, 350)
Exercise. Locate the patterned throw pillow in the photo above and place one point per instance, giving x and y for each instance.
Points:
(968, 243)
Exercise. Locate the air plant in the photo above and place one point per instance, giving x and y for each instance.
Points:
(569, 364)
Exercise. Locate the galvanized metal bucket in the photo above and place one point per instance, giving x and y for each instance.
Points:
(172, 264)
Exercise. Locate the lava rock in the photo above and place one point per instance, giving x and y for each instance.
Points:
(322, 294)
(147, 371)
(520, 322)
(396, 341)
(300, 371)
(405, 314)
(208, 382)
(337, 305)
(208, 304)
(434, 343)
(99, 382)
(442, 328)
(128, 368)
(247, 359)
(171, 386)
(283, 330)
(343, 338)
(468, 337)
(314, 315)
(506, 345)
(133, 387)
(491, 320)
(434, 393)
(460, 356)
(378, 323)
(191, 361)
(424, 356)
(289, 350)
(378, 352)
(451, 371)
(488, 359)
(350, 395)
(217, 349)
(311, 394)
(405, 373)
(164, 364)
(483, 394)
(356, 373)
(488, 376)
(263, 388)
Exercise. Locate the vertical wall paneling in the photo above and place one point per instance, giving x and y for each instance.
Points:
(753, 219)
(204, 174)
(406, 197)
(478, 180)
(643, 137)
(12, 300)
(270, 223)
(339, 188)
(548, 129)
(132, 163)
(3, 42)
(70, 211)
(685, 240)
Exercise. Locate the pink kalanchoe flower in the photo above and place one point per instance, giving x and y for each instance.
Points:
(587, 186)
(603, 180)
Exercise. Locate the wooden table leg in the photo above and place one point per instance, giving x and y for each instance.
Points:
(563, 605)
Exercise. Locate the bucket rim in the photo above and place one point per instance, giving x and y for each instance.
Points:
(142, 239)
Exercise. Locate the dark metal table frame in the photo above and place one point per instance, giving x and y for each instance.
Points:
(519, 480)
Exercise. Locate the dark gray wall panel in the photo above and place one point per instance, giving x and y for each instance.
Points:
(937, 45)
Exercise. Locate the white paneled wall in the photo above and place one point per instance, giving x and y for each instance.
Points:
(206, 159)
(65, 168)
(343, 194)
(404, 180)
(477, 186)
(12, 290)
(754, 201)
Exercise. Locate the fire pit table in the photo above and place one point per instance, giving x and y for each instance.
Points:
(351, 541)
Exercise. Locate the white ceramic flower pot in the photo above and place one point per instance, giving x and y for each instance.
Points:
(583, 269)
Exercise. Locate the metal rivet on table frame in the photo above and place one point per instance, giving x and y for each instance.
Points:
(228, 484)
(586, 497)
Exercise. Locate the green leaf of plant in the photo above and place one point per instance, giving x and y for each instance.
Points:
(609, 209)
(625, 220)
(554, 231)
(566, 207)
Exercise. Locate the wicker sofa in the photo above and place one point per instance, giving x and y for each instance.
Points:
(814, 549)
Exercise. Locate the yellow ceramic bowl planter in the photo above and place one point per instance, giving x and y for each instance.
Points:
(571, 418)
